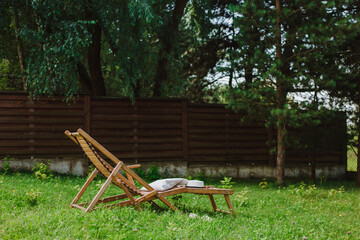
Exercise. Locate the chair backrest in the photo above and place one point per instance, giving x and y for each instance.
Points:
(90, 147)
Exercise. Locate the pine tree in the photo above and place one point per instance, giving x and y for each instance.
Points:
(292, 38)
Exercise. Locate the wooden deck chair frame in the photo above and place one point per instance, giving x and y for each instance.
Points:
(135, 196)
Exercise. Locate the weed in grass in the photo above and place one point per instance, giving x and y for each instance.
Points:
(323, 179)
(241, 198)
(7, 166)
(42, 171)
(311, 191)
(227, 183)
(32, 197)
(264, 183)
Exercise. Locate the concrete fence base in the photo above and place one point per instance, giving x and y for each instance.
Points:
(75, 166)
(72, 166)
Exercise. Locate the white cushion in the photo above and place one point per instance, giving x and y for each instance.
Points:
(166, 184)
(195, 183)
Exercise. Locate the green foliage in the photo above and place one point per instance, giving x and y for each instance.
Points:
(323, 179)
(153, 173)
(199, 175)
(4, 74)
(297, 69)
(352, 160)
(91, 168)
(139, 39)
(227, 183)
(304, 190)
(140, 172)
(310, 191)
(264, 184)
(7, 165)
(42, 171)
(61, 39)
(241, 198)
(32, 197)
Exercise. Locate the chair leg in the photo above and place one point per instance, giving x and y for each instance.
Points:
(227, 199)
(213, 204)
(104, 187)
(130, 196)
(84, 187)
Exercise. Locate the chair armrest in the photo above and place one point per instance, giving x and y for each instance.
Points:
(134, 166)
(69, 134)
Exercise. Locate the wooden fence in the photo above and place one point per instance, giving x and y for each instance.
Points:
(151, 130)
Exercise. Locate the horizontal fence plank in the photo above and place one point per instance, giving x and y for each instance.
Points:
(224, 144)
(26, 112)
(111, 110)
(27, 120)
(221, 151)
(227, 137)
(228, 131)
(231, 158)
(162, 154)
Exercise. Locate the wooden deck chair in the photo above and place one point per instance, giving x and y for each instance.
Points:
(133, 194)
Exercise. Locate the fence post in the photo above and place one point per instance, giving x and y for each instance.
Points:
(313, 151)
(87, 126)
(184, 119)
(227, 134)
(135, 131)
(87, 114)
(32, 127)
(271, 156)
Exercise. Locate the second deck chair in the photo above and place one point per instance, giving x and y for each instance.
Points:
(135, 195)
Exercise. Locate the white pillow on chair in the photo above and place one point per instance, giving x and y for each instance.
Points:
(166, 184)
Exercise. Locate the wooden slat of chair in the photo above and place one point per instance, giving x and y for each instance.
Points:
(96, 160)
(109, 155)
(98, 146)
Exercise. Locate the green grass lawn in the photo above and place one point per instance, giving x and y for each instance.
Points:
(39, 209)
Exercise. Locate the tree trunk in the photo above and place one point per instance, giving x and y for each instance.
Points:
(281, 134)
(84, 78)
(280, 158)
(20, 48)
(248, 74)
(94, 61)
(281, 100)
(137, 88)
(161, 74)
(166, 38)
